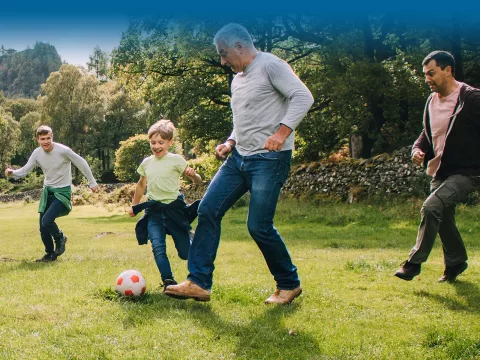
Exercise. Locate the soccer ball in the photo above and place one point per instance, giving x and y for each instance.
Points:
(131, 283)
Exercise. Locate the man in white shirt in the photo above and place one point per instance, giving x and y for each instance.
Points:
(268, 102)
(55, 160)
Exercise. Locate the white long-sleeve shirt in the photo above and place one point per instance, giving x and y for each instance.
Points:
(56, 166)
(264, 96)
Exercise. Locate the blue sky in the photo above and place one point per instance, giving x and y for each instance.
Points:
(75, 28)
(74, 36)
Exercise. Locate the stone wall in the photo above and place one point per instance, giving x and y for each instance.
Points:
(351, 180)
(386, 175)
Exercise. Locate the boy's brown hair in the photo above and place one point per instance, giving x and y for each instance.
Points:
(164, 128)
(43, 130)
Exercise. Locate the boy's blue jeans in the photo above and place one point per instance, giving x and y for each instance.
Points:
(263, 176)
(48, 228)
(157, 232)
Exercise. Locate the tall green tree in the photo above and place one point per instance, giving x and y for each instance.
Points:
(73, 104)
(99, 64)
(9, 134)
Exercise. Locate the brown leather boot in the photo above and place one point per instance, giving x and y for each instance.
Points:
(186, 290)
(283, 296)
(408, 271)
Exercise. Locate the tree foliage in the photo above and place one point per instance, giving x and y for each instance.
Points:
(9, 134)
(73, 105)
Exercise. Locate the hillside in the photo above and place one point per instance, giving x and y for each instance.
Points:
(22, 72)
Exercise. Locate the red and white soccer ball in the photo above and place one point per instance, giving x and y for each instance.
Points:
(131, 283)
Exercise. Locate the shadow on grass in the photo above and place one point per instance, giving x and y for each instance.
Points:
(260, 336)
(467, 299)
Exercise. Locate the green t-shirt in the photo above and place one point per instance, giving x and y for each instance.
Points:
(163, 176)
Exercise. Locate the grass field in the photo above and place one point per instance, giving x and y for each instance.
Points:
(352, 306)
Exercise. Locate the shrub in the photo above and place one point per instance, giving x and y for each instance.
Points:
(206, 164)
(130, 154)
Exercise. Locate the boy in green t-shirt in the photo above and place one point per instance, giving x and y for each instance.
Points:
(161, 171)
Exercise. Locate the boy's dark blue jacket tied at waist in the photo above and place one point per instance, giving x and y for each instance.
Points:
(178, 215)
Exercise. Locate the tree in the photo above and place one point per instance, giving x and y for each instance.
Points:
(124, 117)
(27, 139)
(9, 134)
(73, 105)
(99, 64)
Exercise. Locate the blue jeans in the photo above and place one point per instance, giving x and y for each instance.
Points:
(48, 228)
(263, 176)
(157, 232)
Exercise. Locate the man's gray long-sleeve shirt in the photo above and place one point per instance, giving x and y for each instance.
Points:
(56, 166)
(266, 94)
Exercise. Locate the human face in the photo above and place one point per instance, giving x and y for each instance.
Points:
(159, 145)
(437, 78)
(46, 142)
(230, 56)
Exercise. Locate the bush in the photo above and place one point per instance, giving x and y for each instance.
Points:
(206, 164)
(129, 156)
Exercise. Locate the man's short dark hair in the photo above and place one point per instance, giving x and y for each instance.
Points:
(442, 58)
(43, 130)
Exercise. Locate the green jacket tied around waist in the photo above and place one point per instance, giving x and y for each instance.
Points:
(63, 194)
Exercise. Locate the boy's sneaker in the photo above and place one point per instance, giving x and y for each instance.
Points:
(167, 282)
(408, 271)
(451, 272)
(60, 245)
(47, 258)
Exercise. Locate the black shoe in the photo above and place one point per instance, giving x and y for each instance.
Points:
(451, 272)
(408, 271)
(47, 258)
(60, 245)
(167, 282)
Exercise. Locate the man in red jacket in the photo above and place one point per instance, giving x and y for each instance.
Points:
(449, 148)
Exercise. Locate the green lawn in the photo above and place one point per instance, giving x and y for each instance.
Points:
(352, 306)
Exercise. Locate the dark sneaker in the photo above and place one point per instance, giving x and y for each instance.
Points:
(47, 258)
(167, 282)
(408, 271)
(451, 272)
(60, 245)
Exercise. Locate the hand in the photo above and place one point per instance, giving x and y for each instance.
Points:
(418, 157)
(94, 189)
(130, 211)
(190, 171)
(8, 172)
(222, 150)
(276, 141)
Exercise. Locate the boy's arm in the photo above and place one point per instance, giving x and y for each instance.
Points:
(139, 191)
(22, 172)
(192, 175)
(82, 165)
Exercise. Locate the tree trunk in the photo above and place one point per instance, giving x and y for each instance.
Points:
(360, 146)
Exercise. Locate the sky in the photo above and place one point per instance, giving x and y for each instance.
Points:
(75, 28)
(73, 36)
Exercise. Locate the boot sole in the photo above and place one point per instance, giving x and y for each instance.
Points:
(181, 296)
(400, 276)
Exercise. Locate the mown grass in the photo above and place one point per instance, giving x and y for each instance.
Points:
(352, 306)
